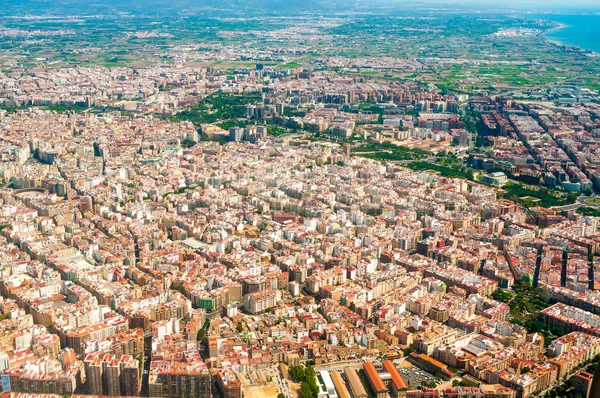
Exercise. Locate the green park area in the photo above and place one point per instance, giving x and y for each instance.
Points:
(218, 107)
(290, 65)
(444, 171)
(588, 211)
(525, 304)
(386, 151)
(541, 196)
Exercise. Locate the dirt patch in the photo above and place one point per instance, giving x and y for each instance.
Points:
(405, 365)
(294, 388)
(266, 391)
(443, 386)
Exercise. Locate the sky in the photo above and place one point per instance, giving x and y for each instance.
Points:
(535, 5)
(540, 5)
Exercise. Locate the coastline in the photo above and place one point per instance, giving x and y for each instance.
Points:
(554, 29)
(586, 51)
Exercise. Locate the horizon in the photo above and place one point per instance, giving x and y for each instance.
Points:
(542, 6)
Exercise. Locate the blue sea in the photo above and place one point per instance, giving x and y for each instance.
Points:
(580, 30)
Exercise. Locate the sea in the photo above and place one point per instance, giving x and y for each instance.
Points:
(579, 30)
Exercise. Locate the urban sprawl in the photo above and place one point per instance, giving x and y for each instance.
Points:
(190, 231)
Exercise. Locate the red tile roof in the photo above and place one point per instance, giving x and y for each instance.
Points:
(373, 376)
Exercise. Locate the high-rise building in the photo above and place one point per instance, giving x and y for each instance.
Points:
(175, 379)
(130, 379)
(347, 150)
(583, 383)
(260, 301)
(93, 374)
(236, 133)
(279, 108)
(111, 375)
(463, 138)
(45, 375)
(229, 384)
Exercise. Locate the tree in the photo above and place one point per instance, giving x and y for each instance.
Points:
(305, 390)
(469, 175)
(572, 197)
(311, 379)
(280, 395)
(239, 327)
(187, 143)
(297, 373)
(408, 350)
(201, 333)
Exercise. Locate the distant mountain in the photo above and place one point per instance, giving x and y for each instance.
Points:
(21, 7)
(264, 5)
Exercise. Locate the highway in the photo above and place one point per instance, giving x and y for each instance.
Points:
(581, 201)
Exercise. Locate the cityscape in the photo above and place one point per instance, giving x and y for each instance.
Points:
(299, 199)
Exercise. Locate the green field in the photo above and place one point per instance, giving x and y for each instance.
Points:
(290, 65)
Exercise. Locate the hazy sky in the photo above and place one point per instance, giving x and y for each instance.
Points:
(537, 5)
(540, 4)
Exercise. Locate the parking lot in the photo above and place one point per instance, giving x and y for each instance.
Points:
(414, 377)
